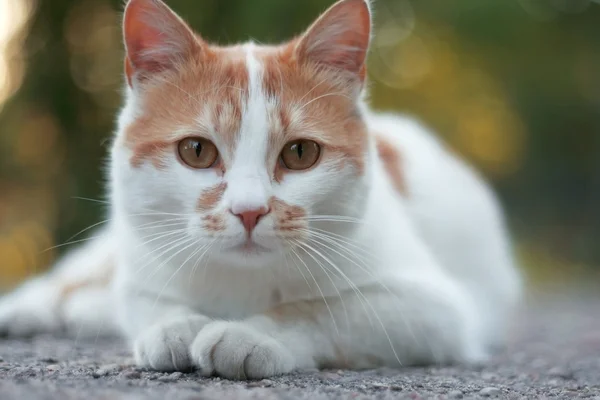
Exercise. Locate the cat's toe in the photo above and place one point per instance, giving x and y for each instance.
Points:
(234, 350)
(165, 347)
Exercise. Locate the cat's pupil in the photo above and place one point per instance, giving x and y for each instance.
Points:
(299, 150)
(198, 148)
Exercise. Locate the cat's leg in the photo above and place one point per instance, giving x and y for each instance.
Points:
(61, 300)
(408, 322)
(32, 308)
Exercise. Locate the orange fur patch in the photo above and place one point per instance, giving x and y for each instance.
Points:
(288, 217)
(69, 288)
(212, 85)
(211, 197)
(213, 223)
(315, 104)
(155, 152)
(392, 162)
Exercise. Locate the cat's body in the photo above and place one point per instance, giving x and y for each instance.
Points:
(387, 250)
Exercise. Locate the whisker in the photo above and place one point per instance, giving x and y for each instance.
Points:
(323, 96)
(87, 229)
(70, 243)
(159, 236)
(197, 263)
(368, 303)
(348, 280)
(320, 291)
(187, 243)
(178, 241)
(311, 90)
(339, 240)
(91, 200)
(183, 264)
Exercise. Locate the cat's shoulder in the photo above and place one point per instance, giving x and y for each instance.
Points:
(406, 133)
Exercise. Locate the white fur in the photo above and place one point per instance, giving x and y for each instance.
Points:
(421, 278)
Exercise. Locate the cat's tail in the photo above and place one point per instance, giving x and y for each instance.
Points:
(74, 297)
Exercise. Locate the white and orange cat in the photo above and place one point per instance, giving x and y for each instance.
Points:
(264, 220)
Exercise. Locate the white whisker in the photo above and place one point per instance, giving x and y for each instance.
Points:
(321, 292)
(367, 302)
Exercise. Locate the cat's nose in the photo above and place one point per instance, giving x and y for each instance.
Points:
(250, 218)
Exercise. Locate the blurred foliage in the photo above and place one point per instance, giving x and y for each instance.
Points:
(512, 85)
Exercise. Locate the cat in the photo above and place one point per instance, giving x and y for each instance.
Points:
(264, 220)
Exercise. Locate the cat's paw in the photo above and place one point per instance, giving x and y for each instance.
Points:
(30, 310)
(166, 346)
(235, 350)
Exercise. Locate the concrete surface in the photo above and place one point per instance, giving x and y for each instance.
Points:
(555, 353)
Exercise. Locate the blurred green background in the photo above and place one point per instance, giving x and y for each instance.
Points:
(512, 85)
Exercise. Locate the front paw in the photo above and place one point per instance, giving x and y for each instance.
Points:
(165, 346)
(235, 350)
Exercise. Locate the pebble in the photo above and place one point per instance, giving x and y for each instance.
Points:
(396, 388)
(489, 376)
(131, 375)
(105, 370)
(99, 373)
(489, 391)
(267, 383)
(176, 375)
(170, 378)
(455, 394)
(554, 382)
(263, 383)
(330, 375)
(560, 372)
(377, 385)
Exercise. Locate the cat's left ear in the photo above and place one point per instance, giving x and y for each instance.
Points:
(156, 39)
(340, 38)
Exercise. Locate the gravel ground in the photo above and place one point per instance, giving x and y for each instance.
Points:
(555, 353)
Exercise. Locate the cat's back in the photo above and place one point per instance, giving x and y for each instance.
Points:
(452, 208)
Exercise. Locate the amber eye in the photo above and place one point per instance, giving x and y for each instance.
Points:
(300, 154)
(197, 152)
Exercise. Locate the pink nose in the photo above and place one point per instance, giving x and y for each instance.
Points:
(250, 218)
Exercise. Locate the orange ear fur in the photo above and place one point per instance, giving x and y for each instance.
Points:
(156, 38)
(339, 38)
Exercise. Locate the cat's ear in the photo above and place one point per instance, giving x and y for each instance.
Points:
(156, 39)
(340, 38)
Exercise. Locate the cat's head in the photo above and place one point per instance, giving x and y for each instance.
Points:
(246, 151)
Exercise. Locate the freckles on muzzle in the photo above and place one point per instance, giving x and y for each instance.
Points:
(208, 201)
(288, 220)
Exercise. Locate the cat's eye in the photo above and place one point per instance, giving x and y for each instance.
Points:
(198, 153)
(300, 154)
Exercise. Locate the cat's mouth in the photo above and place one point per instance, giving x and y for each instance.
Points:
(250, 247)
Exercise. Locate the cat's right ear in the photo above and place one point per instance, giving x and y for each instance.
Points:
(156, 39)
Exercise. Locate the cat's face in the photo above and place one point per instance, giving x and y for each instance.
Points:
(240, 152)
